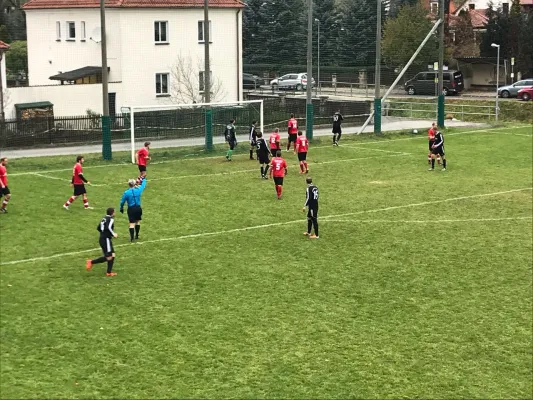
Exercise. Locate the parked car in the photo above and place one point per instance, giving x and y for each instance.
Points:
(525, 93)
(424, 83)
(512, 90)
(291, 81)
(250, 81)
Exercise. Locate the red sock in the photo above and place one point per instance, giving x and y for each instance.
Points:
(70, 200)
(280, 190)
(4, 204)
(86, 203)
(305, 165)
(302, 166)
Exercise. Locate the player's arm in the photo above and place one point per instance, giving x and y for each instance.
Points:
(285, 167)
(306, 199)
(80, 175)
(439, 143)
(137, 157)
(142, 186)
(271, 169)
(122, 201)
(110, 227)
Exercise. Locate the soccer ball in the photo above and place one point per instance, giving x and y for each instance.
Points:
(415, 131)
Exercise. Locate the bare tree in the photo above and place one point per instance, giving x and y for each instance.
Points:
(187, 82)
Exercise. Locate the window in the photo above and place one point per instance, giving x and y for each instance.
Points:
(58, 30)
(161, 84)
(201, 32)
(472, 6)
(434, 8)
(71, 31)
(201, 79)
(82, 33)
(505, 8)
(161, 32)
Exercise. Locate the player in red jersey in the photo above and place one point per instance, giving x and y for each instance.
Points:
(293, 131)
(4, 190)
(78, 181)
(431, 139)
(302, 146)
(141, 158)
(278, 168)
(274, 141)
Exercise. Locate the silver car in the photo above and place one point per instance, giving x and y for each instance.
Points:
(512, 90)
(291, 81)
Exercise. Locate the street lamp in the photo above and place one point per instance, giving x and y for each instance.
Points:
(318, 59)
(497, 79)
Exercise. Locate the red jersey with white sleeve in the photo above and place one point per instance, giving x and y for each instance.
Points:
(76, 172)
(142, 156)
(293, 126)
(3, 175)
(274, 138)
(278, 166)
(302, 144)
(431, 134)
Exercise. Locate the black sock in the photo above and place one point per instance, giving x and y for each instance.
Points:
(339, 137)
(444, 163)
(98, 260)
(309, 226)
(266, 169)
(432, 162)
(132, 232)
(262, 173)
(137, 229)
(251, 153)
(315, 224)
(334, 138)
(110, 265)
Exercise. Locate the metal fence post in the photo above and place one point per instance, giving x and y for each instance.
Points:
(209, 129)
(106, 137)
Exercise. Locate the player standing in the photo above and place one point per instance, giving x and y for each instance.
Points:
(438, 148)
(279, 170)
(302, 146)
(78, 181)
(231, 139)
(274, 141)
(4, 189)
(311, 202)
(105, 227)
(132, 196)
(141, 158)
(263, 154)
(431, 140)
(253, 139)
(337, 131)
(293, 131)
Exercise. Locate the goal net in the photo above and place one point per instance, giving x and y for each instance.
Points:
(181, 125)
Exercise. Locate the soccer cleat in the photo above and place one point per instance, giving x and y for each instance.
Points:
(3, 210)
(444, 169)
(88, 265)
(111, 274)
(430, 169)
(313, 236)
(306, 233)
(89, 208)
(307, 171)
(65, 207)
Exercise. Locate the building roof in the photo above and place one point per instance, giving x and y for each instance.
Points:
(77, 74)
(481, 60)
(478, 18)
(57, 4)
(4, 46)
(38, 104)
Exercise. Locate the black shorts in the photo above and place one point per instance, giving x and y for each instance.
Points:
(438, 151)
(292, 137)
(142, 168)
(337, 129)
(263, 158)
(274, 151)
(302, 156)
(253, 143)
(4, 192)
(79, 190)
(107, 246)
(278, 180)
(312, 212)
(135, 214)
(431, 144)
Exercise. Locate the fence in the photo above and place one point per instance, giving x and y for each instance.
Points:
(428, 110)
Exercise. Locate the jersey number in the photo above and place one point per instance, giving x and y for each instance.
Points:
(278, 166)
(315, 194)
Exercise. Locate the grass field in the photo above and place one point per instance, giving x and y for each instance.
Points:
(420, 285)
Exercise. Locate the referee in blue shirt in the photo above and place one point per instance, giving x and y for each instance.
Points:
(132, 196)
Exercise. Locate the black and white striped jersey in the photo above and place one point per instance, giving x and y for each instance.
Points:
(311, 199)
(439, 139)
(105, 227)
(252, 135)
(262, 147)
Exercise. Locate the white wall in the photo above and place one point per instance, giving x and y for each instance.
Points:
(484, 4)
(3, 71)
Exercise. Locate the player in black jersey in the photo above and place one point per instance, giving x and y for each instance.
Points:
(263, 154)
(337, 131)
(311, 202)
(253, 139)
(105, 227)
(438, 149)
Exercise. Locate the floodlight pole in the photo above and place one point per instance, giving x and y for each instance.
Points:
(106, 122)
(207, 67)
(440, 101)
(377, 78)
(309, 115)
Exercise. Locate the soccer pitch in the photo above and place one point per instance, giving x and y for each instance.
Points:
(419, 286)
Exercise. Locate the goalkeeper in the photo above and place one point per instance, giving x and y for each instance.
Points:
(229, 134)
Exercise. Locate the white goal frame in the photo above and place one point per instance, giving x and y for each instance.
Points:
(132, 110)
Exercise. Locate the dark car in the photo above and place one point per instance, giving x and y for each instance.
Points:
(250, 81)
(424, 83)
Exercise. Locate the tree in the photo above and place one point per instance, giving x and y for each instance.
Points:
(329, 17)
(253, 33)
(403, 35)
(17, 57)
(464, 44)
(4, 34)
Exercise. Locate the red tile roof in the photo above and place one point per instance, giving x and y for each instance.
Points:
(4, 46)
(478, 18)
(47, 4)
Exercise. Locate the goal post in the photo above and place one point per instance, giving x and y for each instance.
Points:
(198, 124)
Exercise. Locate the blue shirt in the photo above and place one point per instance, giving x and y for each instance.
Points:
(133, 196)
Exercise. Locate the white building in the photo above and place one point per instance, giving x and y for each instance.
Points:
(145, 39)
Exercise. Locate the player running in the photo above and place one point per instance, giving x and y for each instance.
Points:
(438, 149)
(4, 189)
(337, 131)
(274, 141)
(278, 168)
(263, 154)
(302, 146)
(141, 159)
(132, 196)
(311, 202)
(105, 227)
(293, 131)
(231, 139)
(252, 136)
(78, 182)
(431, 140)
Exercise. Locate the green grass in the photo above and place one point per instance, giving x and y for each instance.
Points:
(435, 305)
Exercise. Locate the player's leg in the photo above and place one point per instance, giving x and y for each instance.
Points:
(267, 166)
(110, 263)
(70, 200)
(86, 201)
(430, 152)
(338, 137)
(7, 196)
(443, 156)
(89, 263)
(132, 229)
(252, 150)
(230, 151)
(309, 226)
(138, 219)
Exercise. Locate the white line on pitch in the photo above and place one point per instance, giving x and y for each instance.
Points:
(206, 234)
(50, 177)
(428, 221)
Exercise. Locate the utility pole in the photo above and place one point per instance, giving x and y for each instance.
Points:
(2, 111)
(106, 121)
(440, 101)
(377, 78)
(309, 115)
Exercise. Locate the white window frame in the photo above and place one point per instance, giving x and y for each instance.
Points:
(82, 31)
(68, 37)
(434, 7)
(201, 81)
(166, 32)
(201, 39)
(58, 30)
(168, 84)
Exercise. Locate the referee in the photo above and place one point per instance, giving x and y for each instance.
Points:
(132, 196)
(311, 202)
